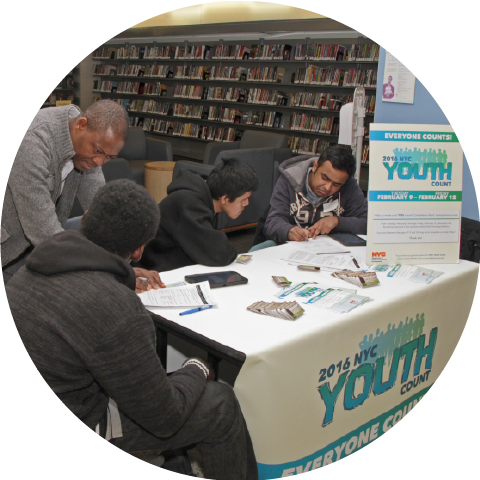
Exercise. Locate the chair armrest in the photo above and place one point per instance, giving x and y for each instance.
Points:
(199, 168)
(214, 148)
(159, 150)
(116, 169)
(251, 155)
(280, 155)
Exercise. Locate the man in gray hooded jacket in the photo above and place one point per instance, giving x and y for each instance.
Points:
(315, 196)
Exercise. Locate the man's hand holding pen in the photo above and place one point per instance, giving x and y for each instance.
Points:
(147, 279)
(298, 234)
(324, 226)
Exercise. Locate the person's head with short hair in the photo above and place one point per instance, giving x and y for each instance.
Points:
(122, 219)
(331, 171)
(231, 185)
(98, 134)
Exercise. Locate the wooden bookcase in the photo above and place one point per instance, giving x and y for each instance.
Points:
(165, 88)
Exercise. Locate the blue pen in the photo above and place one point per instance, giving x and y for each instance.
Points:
(198, 309)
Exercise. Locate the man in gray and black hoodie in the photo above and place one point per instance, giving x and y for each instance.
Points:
(93, 342)
(315, 196)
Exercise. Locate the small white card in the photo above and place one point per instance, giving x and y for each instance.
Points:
(329, 207)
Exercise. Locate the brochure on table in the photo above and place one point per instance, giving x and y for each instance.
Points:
(415, 194)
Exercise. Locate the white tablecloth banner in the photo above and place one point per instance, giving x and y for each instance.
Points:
(319, 388)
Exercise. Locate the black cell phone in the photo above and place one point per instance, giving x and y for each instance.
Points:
(217, 279)
(348, 239)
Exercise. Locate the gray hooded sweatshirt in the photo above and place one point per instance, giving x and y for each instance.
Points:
(289, 202)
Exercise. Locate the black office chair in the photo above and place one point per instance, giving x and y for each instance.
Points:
(199, 168)
(251, 140)
(140, 149)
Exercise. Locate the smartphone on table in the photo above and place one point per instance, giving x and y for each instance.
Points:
(217, 279)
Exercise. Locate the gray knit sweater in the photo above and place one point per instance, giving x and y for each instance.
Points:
(33, 208)
(91, 338)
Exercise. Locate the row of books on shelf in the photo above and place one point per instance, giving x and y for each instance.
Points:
(195, 72)
(350, 78)
(301, 51)
(326, 101)
(192, 130)
(311, 75)
(318, 100)
(298, 121)
(311, 123)
(314, 75)
(308, 145)
(263, 96)
(316, 146)
(301, 145)
(217, 113)
(259, 96)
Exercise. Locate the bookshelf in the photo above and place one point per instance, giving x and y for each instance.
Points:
(196, 93)
(65, 90)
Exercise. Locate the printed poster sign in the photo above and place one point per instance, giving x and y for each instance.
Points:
(415, 194)
(398, 81)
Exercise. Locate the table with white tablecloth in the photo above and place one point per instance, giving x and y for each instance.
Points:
(319, 388)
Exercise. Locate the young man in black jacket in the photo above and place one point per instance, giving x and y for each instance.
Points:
(93, 342)
(186, 235)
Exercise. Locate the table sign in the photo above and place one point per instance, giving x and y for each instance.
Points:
(415, 194)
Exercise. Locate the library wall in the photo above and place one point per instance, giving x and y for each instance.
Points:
(424, 110)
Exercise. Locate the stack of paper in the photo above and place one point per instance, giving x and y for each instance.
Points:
(176, 284)
(195, 295)
(285, 310)
(336, 299)
(325, 262)
(360, 279)
(414, 273)
(408, 272)
(323, 245)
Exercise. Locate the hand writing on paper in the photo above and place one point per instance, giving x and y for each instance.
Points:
(298, 234)
(153, 280)
(323, 226)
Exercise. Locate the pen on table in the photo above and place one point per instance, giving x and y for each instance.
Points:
(356, 263)
(198, 309)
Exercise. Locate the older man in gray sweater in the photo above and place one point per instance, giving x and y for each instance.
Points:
(57, 159)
